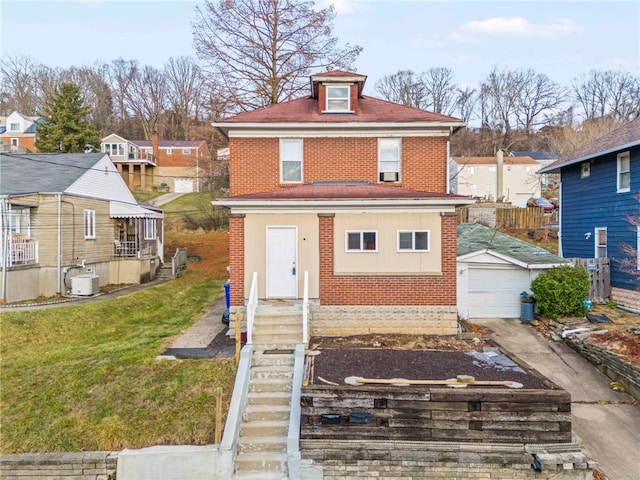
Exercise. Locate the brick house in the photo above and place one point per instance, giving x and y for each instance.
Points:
(18, 133)
(172, 165)
(354, 191)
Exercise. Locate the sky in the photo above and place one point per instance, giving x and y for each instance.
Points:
(560, 39)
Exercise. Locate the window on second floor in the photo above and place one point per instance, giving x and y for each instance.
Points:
(90, 224)
(14, 127)
(169, 151)
(601, 242)
(186, 151)
(20, 220)
(389, 155)
(624, 172)
(471, 170)
(585, 170)
(413, 240)
(115, 149)
(291, 160)
(492, 168)
(338, 99)
(361, 241)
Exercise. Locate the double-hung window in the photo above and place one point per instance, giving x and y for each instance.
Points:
(338, 99)
(149, 228)
(601, 242)
(389, 159)
(90, 224)
(413, 240)
(362, 241)
(20, 220)
(291, 160)
(14, 127)
(624, 172)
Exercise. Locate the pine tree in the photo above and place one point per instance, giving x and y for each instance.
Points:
(65, 127)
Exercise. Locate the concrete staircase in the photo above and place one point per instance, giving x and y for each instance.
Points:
(262, 445)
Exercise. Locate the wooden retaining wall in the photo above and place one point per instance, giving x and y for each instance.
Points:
(437, 414)
(504, 217)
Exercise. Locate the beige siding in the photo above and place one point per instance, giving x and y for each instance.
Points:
(255, 232)
(519, 184)
(387, 260)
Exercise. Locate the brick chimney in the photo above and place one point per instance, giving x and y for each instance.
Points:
(155, 144)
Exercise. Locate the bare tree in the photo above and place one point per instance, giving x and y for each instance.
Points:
(19, 85)
(440, 89)
(262, 51)
(466, 99)
(539, 95)
(601, 93)
(146, 97)
(403, 87)
(184, 92)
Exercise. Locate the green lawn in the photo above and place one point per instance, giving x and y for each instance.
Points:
(85, 377)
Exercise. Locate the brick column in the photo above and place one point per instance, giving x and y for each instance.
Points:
(325, 228)
(449, 257)
(131, 183)
(143, 177)
(236, 258)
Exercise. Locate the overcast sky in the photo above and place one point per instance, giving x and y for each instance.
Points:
(560, 39)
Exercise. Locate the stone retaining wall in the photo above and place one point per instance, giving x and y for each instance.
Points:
(53, 466)
(611, 364)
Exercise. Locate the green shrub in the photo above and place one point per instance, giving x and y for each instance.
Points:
(560, 291)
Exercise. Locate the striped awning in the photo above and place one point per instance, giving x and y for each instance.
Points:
(130, 210)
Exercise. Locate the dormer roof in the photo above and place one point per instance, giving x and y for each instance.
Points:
(336, 76)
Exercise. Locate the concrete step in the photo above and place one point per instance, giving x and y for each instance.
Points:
(276, 372)
(260, 462)
(283, 337)
(265, 412)
(269, 398)
(264, 428)
(270, 385)
(260, 476)
(284, 311)
(263, 320)
(261, 443)
(270, 359)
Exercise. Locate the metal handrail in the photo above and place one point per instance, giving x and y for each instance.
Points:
(305, 310)
(252, 306)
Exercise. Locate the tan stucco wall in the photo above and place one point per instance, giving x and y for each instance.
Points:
(255, 234)
(387, 259)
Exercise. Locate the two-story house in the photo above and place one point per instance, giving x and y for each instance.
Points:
(600, 207)
(172, 165)
(478, 177)
(18, 133)
(353, 190)
(67, 215)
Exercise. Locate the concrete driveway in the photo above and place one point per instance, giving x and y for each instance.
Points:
(607, 422)
(166, 198)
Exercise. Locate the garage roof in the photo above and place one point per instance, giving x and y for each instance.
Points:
(477, 238)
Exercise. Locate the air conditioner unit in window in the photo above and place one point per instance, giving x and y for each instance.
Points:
(388, 176)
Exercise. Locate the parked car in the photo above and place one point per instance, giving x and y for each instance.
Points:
(541, 203)
(555, 201)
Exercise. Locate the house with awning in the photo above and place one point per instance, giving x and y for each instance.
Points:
(72, 215)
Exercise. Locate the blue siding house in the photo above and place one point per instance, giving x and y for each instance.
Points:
(600, 207)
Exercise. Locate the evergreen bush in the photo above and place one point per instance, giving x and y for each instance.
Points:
(560, 291)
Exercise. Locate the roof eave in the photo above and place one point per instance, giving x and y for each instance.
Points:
(346, 203)
(226, 126)
(556, 169)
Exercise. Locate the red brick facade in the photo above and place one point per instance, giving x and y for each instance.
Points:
(388, 289)
(256, 162)
(236, 259)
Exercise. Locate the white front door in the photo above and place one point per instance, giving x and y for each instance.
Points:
(282, 271)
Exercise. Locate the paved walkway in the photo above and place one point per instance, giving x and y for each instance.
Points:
(606, 421)
(166, 198)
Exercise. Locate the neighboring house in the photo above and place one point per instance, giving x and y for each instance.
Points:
(548, 180)
(65, 215)
(478, 177)
(173, 165)
(494, 269)
(600, 207)
(353, 190)
(18, 133)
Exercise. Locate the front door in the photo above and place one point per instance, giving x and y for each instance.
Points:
(282, 271)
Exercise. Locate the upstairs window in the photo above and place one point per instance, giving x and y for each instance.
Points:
(362, 241)
(389, 153)
(338, 99)
(186, 151)
(601, 242)
(115, 149)
(624, 172)
(413, 240)
(20, 220)
(471, 170)
(14, 127)
(585, 170)
(89, 224)
(291, 160)
(168, 151)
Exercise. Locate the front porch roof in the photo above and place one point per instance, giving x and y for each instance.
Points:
(130, 210)
(343, 194)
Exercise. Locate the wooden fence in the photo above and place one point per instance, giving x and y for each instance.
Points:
(599, 275)
(530, 218)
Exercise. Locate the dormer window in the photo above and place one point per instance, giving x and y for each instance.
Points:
(338, 99)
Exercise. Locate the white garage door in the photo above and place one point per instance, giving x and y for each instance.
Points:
(494, 292)
(183, 185)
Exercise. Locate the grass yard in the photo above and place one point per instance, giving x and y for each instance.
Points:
(84, 377)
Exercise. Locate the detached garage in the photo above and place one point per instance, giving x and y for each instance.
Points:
(493, 269)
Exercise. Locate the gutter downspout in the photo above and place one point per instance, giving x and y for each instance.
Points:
(448, 186)
(59, 255)
(560, 221)
(5, 250)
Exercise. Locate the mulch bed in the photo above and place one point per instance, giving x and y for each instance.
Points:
(335, 365)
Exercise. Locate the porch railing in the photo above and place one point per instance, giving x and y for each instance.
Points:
(134, 249)
(252, 306)
(305, 310)
(22, 253)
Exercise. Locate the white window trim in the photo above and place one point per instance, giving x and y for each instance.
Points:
(361, 249)
(89, 224)
(328, 98)
(638, 247)
(300, 143)
(413, 241)
(169, 151)
(149, 228)
(186, 151)
(585, 169)
(399, 160)
(595, 242)
(16, 125)
(621, 156)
